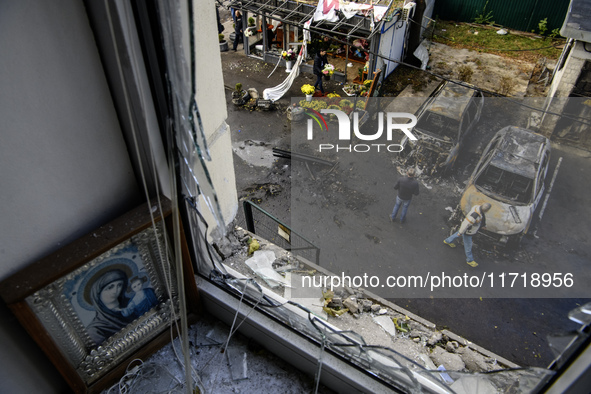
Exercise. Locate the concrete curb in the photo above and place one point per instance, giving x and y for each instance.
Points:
(369, 295)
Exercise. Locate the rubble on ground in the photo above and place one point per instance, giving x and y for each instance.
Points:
(380, 322)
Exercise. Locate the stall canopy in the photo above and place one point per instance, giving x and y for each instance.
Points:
(330, 17)
(371, 35)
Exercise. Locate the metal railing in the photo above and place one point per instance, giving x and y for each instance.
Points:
(262, 223)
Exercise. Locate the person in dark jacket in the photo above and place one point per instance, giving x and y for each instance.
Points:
(237, 30)
(320, 61)
(407, 187)
(220, 26)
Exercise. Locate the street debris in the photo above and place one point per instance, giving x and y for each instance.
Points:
(253, 246)
(386, 323)
(285, 154)
(350, 309)
(262, 264)
(250, 99)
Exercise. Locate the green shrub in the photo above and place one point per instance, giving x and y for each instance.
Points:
(543, 26)
(484, 17)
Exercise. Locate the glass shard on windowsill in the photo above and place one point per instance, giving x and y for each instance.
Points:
(218, 335)
(581, 315)
(560, 342)
(237, 361)
(262, 264)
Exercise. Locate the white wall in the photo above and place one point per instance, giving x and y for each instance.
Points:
(63, 162)
(64, 167)
(211, 99)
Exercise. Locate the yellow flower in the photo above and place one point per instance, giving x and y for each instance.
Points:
(308, 89)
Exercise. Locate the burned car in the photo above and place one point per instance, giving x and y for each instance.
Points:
(443, 121)
(510, 176)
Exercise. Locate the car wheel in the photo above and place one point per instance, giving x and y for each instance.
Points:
(514, 241)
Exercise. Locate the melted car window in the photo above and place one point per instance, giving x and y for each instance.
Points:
(506, 184)
(438, 125)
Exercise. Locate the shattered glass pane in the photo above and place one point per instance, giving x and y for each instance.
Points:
(581, 315)
(383, 362)
(186, 125)
(559, 343)
(151, 378)
(237, 360)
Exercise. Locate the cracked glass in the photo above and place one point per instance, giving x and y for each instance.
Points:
(390, 366)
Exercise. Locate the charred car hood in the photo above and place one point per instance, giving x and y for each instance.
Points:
(503, 218)
(431, 139)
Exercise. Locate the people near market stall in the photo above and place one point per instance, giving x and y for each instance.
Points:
(360, 49)
(320, 43)
(320, 61)
(270, 35)
(220, 26)
(237, 30)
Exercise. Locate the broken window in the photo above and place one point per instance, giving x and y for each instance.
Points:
(439, 125)
(386, 364)
(506, 184)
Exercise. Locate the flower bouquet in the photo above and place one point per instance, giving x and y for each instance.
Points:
(289, 55)
(328, 70)
(308, 89)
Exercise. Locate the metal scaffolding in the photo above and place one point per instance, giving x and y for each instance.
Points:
(297, 12)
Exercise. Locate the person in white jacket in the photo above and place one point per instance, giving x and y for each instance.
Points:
(475, 220)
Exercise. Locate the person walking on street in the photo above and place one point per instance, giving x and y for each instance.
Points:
(237, 29)
(320, 61)
(407, 187)
(475, 220)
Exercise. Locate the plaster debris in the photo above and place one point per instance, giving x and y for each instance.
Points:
(351, 304)
(335, 303)
(262, 264)
(366, 305)
(351, 309)
(474, 361)
(436, 337)
(452, 346)
(451, 362)
(386, 323)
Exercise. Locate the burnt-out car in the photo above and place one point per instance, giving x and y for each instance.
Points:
(443, 122)
(510, 176)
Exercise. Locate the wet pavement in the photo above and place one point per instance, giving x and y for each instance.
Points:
(346, 204)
